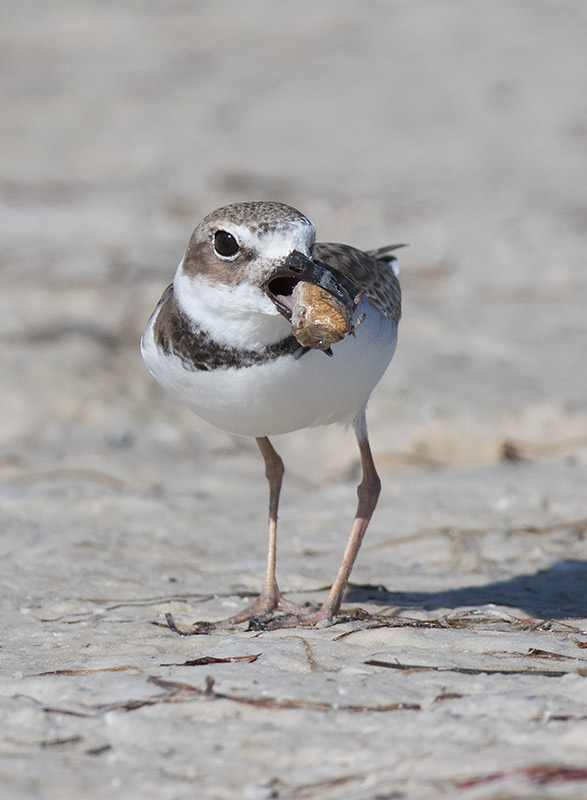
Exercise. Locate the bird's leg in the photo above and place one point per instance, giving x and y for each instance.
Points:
(274, 473)
(270, 597)
(368, 493)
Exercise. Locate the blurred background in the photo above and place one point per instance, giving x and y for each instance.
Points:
(457, 127)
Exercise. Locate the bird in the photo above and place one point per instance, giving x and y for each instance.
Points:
(221, 342)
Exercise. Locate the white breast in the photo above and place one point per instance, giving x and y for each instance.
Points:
(287, 393)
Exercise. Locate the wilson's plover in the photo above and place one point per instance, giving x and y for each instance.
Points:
(221, 342)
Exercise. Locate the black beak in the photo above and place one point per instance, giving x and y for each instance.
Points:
(298, 267)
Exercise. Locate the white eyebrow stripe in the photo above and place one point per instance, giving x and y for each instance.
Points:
(277, 244)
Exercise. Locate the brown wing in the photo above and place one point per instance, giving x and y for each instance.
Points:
(372, 273)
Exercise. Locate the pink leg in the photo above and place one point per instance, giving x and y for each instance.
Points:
(270, 597)
(368, 493)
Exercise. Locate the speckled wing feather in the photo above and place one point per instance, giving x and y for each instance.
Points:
(373, 273)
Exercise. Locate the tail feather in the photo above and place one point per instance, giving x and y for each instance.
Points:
(381, 252)
(384, 254)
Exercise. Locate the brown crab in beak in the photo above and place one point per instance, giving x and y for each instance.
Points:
(318, 301)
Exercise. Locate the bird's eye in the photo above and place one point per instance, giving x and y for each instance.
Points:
(225, 244)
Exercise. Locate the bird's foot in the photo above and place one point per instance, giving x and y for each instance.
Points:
(272, 611)
(296, 616)
(285, 614)
(261, 608)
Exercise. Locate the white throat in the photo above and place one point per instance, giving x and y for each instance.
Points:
(239, 316)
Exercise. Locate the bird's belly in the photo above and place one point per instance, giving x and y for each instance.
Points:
(286, 393)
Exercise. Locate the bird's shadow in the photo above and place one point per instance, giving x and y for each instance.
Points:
(556, 592)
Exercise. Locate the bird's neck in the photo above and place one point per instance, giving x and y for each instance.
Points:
(238, 315)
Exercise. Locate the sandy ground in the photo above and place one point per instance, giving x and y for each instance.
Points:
(458, 127)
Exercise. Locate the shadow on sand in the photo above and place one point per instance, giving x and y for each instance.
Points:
(557, 592)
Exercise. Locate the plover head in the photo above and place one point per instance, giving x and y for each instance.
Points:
(264, 245)
(247, 242)
(222, 283)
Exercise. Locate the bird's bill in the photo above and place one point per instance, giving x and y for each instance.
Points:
(298, 267)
